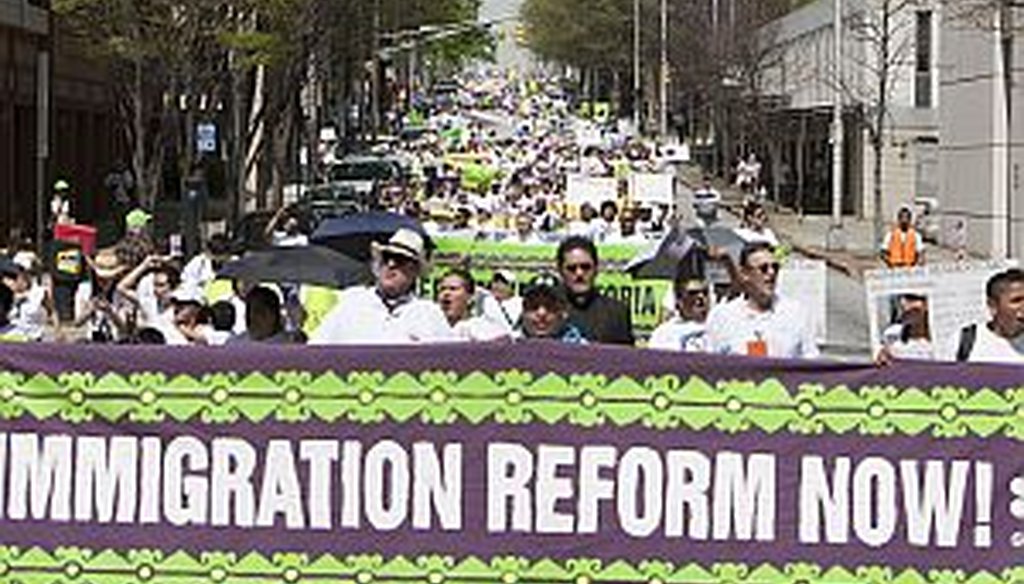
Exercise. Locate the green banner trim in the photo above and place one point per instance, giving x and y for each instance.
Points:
(155, 567)
(515, 398)
(539, 253)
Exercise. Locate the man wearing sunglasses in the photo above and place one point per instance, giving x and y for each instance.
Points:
(685, 332)
(602, 319)
(760, 323)
(387, 312)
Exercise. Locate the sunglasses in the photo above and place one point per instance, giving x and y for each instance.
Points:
(396, 259)
(584, 267)
(769, 268)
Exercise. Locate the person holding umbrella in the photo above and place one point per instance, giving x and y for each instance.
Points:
(387, 312)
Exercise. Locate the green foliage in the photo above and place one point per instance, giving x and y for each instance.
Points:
(583, 33)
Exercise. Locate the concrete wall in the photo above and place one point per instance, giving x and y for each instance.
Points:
(973, 125)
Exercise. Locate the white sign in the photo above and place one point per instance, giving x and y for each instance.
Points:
(206, 138)
(954, 293)
(654, 189)
(589, 189)
(806, 282)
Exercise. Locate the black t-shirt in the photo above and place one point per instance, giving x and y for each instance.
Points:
(602, 320)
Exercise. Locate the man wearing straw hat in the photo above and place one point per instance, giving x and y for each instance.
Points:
(387, 312)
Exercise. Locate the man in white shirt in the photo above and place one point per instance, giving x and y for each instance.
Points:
(760, 323)
(1001, 340)
(387, 312)
(455, 297)
(500, 303)
(685, 332)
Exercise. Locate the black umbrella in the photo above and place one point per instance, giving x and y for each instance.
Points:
(314, 265)
(688, 247)
(352, 234)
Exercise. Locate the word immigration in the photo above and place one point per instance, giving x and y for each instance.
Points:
(523, 464)
(550, 489)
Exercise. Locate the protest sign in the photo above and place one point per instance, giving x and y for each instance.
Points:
(643, 297)
(526, 463)
(806, 282)
(954, 295)
(593, 190)
(652, 189)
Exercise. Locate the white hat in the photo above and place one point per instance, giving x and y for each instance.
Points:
(406, 243)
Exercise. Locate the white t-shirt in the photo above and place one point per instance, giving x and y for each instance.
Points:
(198, 272)
(505, 312)
(362, 318)
(992, 348)
(786, 329)
(28, 315)
(680, 335)
(99, 322)
(481, 330)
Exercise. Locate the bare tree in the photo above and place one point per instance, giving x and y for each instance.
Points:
(883, 44)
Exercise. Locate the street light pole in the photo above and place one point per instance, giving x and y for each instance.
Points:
(663, 81)
(835, 239)
(375, 74)
(637, 87)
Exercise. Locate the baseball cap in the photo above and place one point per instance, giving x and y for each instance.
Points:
(545, 285)
(137, 218)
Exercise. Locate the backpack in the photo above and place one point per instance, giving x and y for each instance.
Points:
(968, 334)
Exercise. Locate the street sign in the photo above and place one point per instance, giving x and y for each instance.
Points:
(206, 138)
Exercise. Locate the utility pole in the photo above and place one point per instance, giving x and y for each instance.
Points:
(637, 87)
(43, 112)
(663, 78)
(1007, 41)
(375, 74)
(835, 239)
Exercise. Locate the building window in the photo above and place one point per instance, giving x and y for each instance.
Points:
(923, 61)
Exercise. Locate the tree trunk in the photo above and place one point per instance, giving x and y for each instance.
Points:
(145, 196)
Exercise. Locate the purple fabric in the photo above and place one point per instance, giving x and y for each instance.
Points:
(536, 357)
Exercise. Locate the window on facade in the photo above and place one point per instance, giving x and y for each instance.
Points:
(923, 61)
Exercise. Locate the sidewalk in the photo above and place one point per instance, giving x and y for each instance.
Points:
(808, 235)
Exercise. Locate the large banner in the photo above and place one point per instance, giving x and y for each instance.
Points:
(536, 463)
(643, 297)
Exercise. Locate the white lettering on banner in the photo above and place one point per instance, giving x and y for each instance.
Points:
(937, 507)
(100, 477)
(441, 487)
(818, 501)
(234, 461)
(593, 487)
(744, 498)
(509, 470)
(387, 467)
(185, 497)
(39, 479)
(550, 489)
(933, 504)
(280, 493)
(320, 455)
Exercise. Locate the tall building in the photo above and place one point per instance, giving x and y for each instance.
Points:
(83, 132)
(800, 78)
(981, 196)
